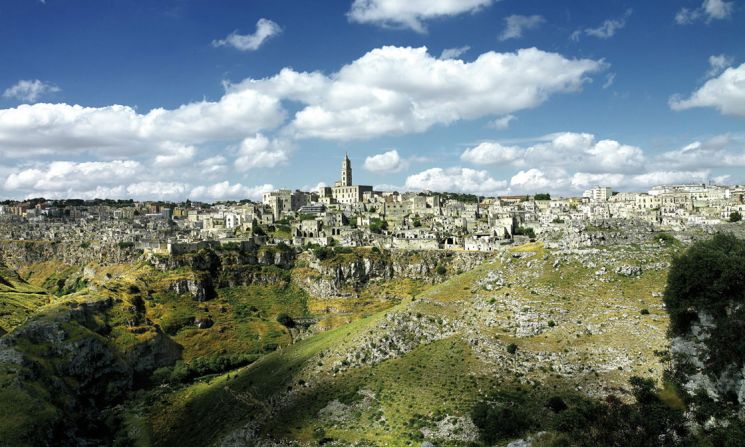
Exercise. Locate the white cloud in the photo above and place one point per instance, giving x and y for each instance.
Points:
(386, 162)
(534, 180)
(226, 191)
(502, 122)
(213, 166)
(390, 90)
(491, 153)
(726, 93)
(717, 64)
(260, 152)
(67, 175)
(454, 53)
(515, 25)
(566, 150)
(265, 29)
(708, 11)
(715, 152)
(410, 13)
(119, 130)
(609, 27)
(455, 180)
(637, 182)
(29, 90)
(174, 154)
(401, 90)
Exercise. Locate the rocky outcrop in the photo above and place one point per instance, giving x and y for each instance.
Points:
(16, 254)
(348, 274)
(69, 353)
(200, 289)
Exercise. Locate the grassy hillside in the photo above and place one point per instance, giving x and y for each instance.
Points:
(534, 323)
(18, 299)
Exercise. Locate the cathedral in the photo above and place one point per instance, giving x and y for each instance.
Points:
(343, 190)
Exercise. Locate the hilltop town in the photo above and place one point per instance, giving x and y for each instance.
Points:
(351, 215)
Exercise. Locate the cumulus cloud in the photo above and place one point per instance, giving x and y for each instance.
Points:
(455, 179)
(716, 152)
(265, 29)
(119, 130)
(88, 180)
(29, 90)
(401, 90)
(567, 149)
(174, 154)
(637, 182)
(488, 153)
(515, 25)
(708, 11)
(67, 175)
(410, 13)
(454, 53)
(226, 191)
(606, 30)
(725, 93)
(386, 162)
(260, 152)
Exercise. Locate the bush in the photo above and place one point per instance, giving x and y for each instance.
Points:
(556, 404)
(644, 311)
(525, 231)
(666, 239)
(285, 320)
(496, 422)
(512, 348)
(735, 216)
(125, 245)
(441, 270)
(378, 225)
(183, 372)
(323, 253)
(710, 277)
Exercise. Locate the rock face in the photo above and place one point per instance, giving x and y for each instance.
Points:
(16, 254)
(199, 289)
(68, 352)
(347, 275)
(691, 356)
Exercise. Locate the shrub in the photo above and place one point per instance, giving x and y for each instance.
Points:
(441, 270)
(285, 320)
(666, 239)
(525, 231)
(710, 278)
(556, 404)
(644, 311)
(735, 216)
(125, 245)
(512, 348)
(500, 421)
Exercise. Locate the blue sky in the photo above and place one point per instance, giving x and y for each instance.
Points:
(218, 100)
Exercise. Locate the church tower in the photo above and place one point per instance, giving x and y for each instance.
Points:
(346, 171)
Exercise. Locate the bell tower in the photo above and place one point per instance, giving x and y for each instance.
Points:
(346, 171)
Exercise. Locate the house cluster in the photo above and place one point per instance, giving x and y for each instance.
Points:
(356, 215)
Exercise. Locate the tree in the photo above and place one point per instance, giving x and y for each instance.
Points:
(542, 196)
(709, 278)
(735, 216)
